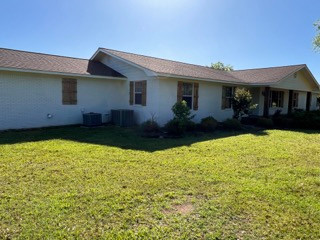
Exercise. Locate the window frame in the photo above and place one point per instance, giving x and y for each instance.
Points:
(279, 101)
(229, 98)
(188, 95)
(135, 92)
(295, 99)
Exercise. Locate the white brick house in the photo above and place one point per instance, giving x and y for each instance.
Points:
(39, 90)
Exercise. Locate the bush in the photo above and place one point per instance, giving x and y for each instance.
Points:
(242, 102)
(307, 120)
(182, 112)
(208, 124)
(299, 119)
(277, 118)
(284, 122)
(150, 126)
(175, 127)
(232, 124)
(265, 122)
(191, 126)
(251, 120)
(181, 120)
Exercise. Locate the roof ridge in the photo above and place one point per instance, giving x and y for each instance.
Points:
(47, 54)
(161, 58)
(303, 64)
(248, 69)
(197, 65)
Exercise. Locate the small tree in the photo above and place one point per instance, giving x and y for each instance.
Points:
(316, 40)
(242, 102)
(182, 112)
(221, 66)
(181, 120)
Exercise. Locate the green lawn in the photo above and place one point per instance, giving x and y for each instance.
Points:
(109, 183)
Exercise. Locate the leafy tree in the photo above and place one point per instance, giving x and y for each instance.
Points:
(242, 102)
(221, 66)
(316, 40)
(318, 101)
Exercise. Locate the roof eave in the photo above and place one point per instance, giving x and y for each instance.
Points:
(147, 71)
(213, 80)
(60, 73)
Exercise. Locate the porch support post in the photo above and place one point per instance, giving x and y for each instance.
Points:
(290, 101)
(308, 101)
(266, 102)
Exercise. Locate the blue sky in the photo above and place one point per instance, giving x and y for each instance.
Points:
(245, 34)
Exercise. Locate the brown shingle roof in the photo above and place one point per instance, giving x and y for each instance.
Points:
(266, 75)
(52, 63)
(250, 76)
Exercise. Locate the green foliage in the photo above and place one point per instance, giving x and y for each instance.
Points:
(318, 101)
(306, 120)
(182, 112)
(232, 124)
(175, 127)
(284, 122)
(298, 119)
(221, 66)
(150, 126)
(316, 40)
(181, 120)
(265, 122)
(242, 102)
(208, 124)
(110, 183)
(191, 126)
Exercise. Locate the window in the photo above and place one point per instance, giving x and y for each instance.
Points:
(295, 100)
(187, 93)
(138, 93)
(69, 91)
(276, 99)
(227, 96)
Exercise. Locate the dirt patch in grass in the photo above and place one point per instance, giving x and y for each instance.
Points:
(182, 209)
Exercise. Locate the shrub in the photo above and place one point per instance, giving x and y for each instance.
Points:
(299, 119)
(208, 124)
(182, 112)
(277, 118)
(277, 113)
(307, 120)
(251, 120)
(175, 127)
(181, 120)
(242, 102)
(150, 126)
(284, 122)
(265, 122)
(191, 126)
(232, 124)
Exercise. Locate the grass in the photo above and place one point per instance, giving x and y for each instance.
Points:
(108, 183)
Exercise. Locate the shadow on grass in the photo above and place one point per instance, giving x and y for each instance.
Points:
(117, 137)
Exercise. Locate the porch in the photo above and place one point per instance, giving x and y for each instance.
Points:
(269, 100)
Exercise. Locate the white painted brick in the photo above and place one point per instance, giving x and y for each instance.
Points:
(26, 99)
